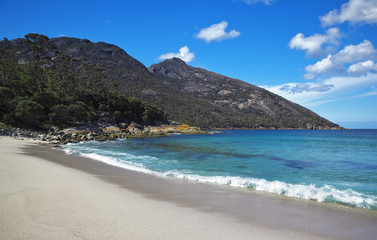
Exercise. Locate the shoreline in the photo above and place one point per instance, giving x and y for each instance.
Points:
(274, 128)
(134, 130)
(241, 213)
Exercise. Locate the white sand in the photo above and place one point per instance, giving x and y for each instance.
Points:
(43, 200)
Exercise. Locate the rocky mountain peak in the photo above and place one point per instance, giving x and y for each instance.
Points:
(173, 68)
(175, 60)
(97, 53)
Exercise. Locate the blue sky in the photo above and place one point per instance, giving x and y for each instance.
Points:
(321, 54)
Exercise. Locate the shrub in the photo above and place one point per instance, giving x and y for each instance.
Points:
(77, 113)
(29, 113)
(59, 114)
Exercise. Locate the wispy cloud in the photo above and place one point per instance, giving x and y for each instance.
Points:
(373, 92)
(354, 11)
(293, 88)
(267, 2)
(107, 21)
(216, 32)
(184, 54)
(317, 44)
(328, 90)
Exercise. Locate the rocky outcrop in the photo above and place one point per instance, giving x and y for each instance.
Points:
(180, 129)
(89, 133)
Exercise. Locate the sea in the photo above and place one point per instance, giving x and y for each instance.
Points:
(338, 166)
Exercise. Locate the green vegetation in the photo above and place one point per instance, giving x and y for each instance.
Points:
(48, 87)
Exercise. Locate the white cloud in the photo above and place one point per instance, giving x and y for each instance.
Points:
(338, 63)
(216, 32)
(313, 45)
(184, 54)
(348, 74)
(355, 11)
(267, 2)
(362, 67)
(319, 67)
(353, 53)
(328, 90)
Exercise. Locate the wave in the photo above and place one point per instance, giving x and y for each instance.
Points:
(325, 193)
(113, 160)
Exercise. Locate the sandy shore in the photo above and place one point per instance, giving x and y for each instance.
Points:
(45, 194)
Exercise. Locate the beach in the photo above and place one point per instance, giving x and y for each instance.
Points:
(46, 194)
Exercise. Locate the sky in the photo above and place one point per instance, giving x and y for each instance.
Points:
(321, 54)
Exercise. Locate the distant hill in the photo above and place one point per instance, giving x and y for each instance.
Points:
(186, 94)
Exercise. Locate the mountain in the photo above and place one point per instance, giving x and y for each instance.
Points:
(187, 94)
(266, 108)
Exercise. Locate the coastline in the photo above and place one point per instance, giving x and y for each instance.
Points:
(74, 197)
(274, 128)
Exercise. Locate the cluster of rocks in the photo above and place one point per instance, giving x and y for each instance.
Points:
(99, 133)
(19, 132)
(311, 126)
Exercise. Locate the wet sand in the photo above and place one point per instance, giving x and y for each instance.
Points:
(46, 194)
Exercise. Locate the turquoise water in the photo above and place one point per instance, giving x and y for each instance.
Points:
(326, 166)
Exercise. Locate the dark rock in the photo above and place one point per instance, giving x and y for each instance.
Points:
(54, 129)
(123, 125)
(134, 128)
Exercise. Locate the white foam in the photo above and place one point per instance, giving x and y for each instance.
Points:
(68, 151)
(325, 193)
(118, 163)
(114, 161)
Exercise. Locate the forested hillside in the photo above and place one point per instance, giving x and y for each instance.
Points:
(47, 87)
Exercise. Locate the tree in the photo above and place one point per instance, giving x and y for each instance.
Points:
(30, 113)
(60, 114)
(8, 67)
(78, 112)
(6, 97)
(39, 45)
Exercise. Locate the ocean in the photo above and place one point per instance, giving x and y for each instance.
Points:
(338, 166)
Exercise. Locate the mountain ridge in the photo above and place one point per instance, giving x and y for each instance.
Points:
(190, 95)
(229, 92)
